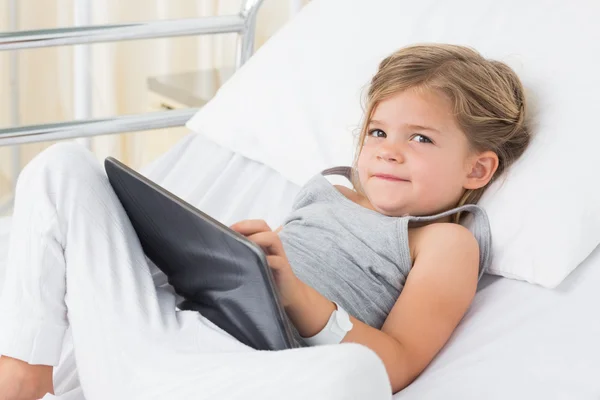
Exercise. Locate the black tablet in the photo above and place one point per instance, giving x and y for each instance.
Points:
(219, 272)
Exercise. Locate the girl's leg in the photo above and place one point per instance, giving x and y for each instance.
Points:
(19, 380)
(335, 372)
(74, 259)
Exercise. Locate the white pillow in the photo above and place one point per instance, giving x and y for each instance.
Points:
(296, 106)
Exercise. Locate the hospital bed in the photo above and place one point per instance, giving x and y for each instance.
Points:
(518, 340)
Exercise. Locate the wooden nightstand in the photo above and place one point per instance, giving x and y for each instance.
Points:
(185, 90)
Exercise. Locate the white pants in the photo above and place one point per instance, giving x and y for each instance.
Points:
(75, 261)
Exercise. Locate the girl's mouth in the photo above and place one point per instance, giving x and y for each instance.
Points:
(390, 177)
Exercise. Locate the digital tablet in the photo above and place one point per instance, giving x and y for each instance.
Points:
(219, 272)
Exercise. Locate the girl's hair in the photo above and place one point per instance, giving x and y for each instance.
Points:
(487, 95)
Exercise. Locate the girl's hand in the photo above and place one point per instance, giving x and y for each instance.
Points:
(259, 232)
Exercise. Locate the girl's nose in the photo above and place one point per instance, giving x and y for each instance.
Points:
(391, 153)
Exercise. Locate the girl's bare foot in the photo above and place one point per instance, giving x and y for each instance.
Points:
(22, 381)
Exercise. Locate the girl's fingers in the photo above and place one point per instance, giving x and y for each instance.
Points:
(251, 226)
(269, 241)
(275, 262)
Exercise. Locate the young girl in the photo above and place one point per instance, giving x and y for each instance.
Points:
(386, 265)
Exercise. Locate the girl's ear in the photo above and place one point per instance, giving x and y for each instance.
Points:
(481, 169)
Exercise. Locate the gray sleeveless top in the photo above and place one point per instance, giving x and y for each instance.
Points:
(356, 256)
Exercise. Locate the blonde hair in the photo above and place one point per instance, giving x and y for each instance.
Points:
(487, 95)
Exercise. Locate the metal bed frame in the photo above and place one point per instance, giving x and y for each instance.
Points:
(244, 24)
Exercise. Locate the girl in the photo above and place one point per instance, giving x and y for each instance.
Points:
(386, 265)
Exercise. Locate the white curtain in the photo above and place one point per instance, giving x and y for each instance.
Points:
(119, 70)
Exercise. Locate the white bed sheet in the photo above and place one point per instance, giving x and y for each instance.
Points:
(517, 341)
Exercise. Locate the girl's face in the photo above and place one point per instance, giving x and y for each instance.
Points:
(415, 160)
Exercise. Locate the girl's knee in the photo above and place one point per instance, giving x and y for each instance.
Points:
(65, 155)
(61, 159)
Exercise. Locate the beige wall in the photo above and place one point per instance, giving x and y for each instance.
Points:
(119, 71)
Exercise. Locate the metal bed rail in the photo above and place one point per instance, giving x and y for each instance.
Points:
(120, 32)
(244, 24)
(95, 127)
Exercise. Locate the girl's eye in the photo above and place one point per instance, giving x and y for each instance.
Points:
(377, 133)
(424, 139)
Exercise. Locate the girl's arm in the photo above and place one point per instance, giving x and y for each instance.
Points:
(437, 293)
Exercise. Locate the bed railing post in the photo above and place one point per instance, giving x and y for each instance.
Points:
(82, 67)
(15, 110)
(246, 38)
